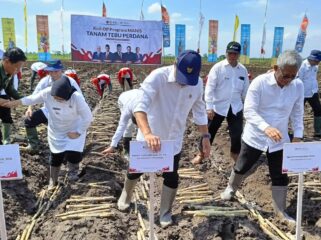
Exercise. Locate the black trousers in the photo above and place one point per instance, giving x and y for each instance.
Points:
(314, 102)
(235, 125)
(5, 113)
(36, 119)
(170, 178)
(249, 156)
(56, 159)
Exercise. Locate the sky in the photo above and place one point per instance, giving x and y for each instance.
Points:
(280, 13)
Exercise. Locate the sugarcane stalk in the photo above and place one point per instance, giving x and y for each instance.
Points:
(97, 199)
(104, 169)
(41, 208)
(138, 235)
(212, 212)
(315, 198)
(90, 205)
(144, 192)
(142, 234)
(200, 200)
(135, 205)
(192, 197)
(146, 186)
(186, 169)
(24, 233)
(195, 192)
(137, 195)
(194, 187)
(87, 215)
(192, 177)
(31, 226)
(278, 231)
(83, 211)
(141, 221)
(18, 237)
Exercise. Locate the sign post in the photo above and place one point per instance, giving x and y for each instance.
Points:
(143, 160)
(299, 158)
(10, 169)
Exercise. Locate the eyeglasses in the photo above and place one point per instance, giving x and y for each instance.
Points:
(287, 76)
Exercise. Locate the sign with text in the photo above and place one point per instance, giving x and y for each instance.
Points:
(10, 164)
(112, 40)
(143, 159)
(301, 157)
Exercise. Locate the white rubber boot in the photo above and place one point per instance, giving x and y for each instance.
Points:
(167, 199)
(233, 184)
(126, 195)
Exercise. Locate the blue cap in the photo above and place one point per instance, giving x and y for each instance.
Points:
(54, 65)
(315, 55)
(188, 67)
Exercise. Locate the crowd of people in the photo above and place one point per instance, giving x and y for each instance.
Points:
(158, 110)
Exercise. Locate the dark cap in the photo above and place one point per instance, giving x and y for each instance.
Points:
(233, 47)
(188, 67)
(315, 55)
(54, 65)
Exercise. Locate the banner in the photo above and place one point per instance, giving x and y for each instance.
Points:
(8, 33)
(113, 40)
(43, 37)
(166, 32)
(236, 27)
(302, 34)
(277, 42)
(245, 43)
(180, 38)
(212, 40)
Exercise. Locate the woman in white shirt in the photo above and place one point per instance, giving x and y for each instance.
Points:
(68, 119)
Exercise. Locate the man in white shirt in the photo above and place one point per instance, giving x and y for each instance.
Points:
(273, 100)
(225, 91)
(33, 119)
(127, 102)
(308, 74)
(169, 94)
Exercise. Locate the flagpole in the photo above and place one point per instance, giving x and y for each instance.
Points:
(141, 11)
(62, 26)
(26, 25)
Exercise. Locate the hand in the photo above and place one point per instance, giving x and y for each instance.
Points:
(10, 104)
(210, 114)
(108, 150)
(206, 147)
(273, 133)
(153, 142)
(3, 101)
(28, 113)
(295, 139)
(73, 135)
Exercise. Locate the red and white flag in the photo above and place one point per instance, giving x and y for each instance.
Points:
(104, 10)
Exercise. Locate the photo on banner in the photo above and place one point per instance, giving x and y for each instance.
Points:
(277, 44)
(8, 33)
(212, 40)
(43, 37)
(180, 38)
(111, 40)
(245, 43)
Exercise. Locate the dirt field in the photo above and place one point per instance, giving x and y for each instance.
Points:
(20, 197)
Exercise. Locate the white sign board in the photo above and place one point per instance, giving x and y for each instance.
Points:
(10, 164)
(142, 159)
(301, 157)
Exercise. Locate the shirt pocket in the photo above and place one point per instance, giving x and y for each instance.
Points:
(239, 85)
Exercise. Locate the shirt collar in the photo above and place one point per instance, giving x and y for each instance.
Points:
(271, 79)
(226, 63)
(171, 76)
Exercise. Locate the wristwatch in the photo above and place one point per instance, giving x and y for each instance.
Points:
(206, 135)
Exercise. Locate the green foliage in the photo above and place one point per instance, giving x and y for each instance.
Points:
(34, 56)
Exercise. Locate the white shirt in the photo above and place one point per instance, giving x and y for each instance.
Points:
(47, 82)
(268, 105)
(226, 86)
(127, 102)
(73, 115)
(168, 104)
(308, 75)
(38, 66)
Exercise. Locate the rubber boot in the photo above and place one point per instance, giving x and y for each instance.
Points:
(73, 169)
(126, 195)
(33, 141)
(234, 156)
(6, 132)
(279, 194)
(317, 127)
(198, 159)
(165, 212)
(126, 143)
(233, 184)
(53, 176)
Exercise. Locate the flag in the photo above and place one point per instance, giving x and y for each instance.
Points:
(302, 34)
(26, 24)
(263, 39)
(236, 26)
(201, 23)
(142, 18)
(104, 10)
